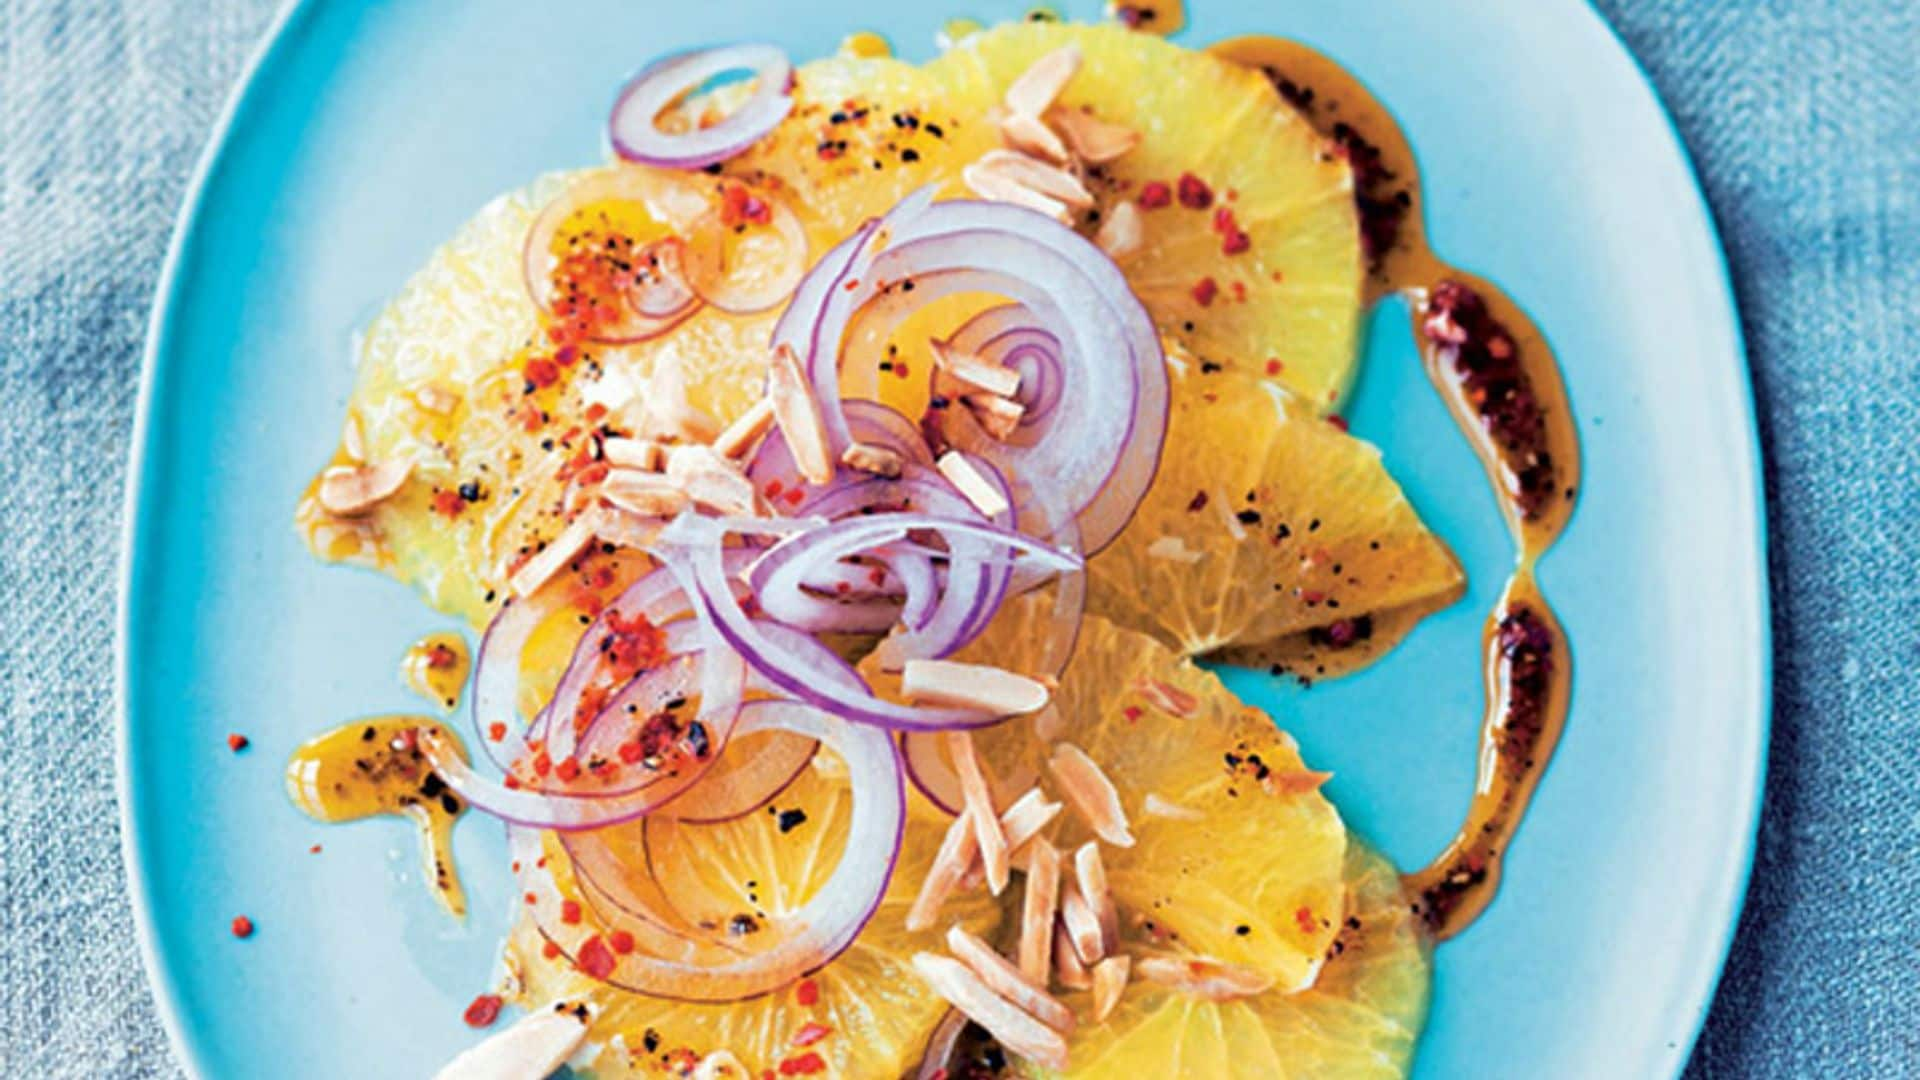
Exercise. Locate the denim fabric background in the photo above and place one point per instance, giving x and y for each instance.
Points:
(1804, 119)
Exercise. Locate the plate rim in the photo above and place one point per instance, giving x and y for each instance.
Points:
(136, 519)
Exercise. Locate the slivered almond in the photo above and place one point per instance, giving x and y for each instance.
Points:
(740, 435)
(1109, 982)
(998, 187)
(1090, 793)
(1155, 806)
(1083, 926)
(1033, 93)
(559, 551)
(1167, 697)
(643, 454)
(979, 801)
(1203, 976)
(1050, 180)
(877, 460)
(352, 490)
(798, 415)
(666, 413)
(353, 439)
(970, 686)
(975, 372)
(1031, 135)
(1121, 233)
(535, 1046)
(1027, 816)
(957, 851)
(1014, 1029)
(711, 480)
(646, 494)
(1066, 963)
(1003, 978)
(984, 496)
(1037, 909)
(1090, 138)
(1092, 875)
(998, 415)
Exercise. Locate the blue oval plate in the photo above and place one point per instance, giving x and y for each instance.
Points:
(368, 132)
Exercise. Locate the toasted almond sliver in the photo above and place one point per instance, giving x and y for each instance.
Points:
(1090, 793)
(877, 460)
(1167, 697)
(1203, 976)
(1091, 139)
(353, 438)
(798, 415)
(975, 372)
(1015, 1030)
(1155, 806)
(436, 399)
(535, 1046)
(1031, 135)
(1030, 172)
(666, 412)
(1121, 233)
(1109, 981)
(559, 551)
(1083, 926)
(1174, 549)
(998, 187)
(1003, 978)
(351, 490)
(711, 480)
(970, 686)
(745, 431)
(643, 454)
(643, 493)
(1066, 962)
(979, 800)
(998, 415)
(1033, 93)
(1037, 909)
(983, 495)
(1092, 873)
(1027, 816)
(957, 851)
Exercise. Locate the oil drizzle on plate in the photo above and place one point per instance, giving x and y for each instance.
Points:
(374, 767)
(1503, 386)
(436, 667)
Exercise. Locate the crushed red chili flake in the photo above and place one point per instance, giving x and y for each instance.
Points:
(595, 958)
(1274, 367)
(1154, 195)
(542, 764)
(570, 912)
(483, 1011)
(496, 731)
(1337, 421)
(242, 926)
(448, 503)
(805, 1064)
(237, 743)
(314, 850)
(568, 770)
(1303, 918)
(1132, 713)
(810, 1033)
(550, 951)
(807, 992)
(738, 207)
(510, 782)
(621, 942)
(1194, 192)
(1205, 290)
(541, 372)
(441, 656)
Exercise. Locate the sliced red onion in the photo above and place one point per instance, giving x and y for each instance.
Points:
(1099, 456)
(777, 477)
(691, 545)
(662, 298)
(806, 940)
(634, 129)
(1011, 336)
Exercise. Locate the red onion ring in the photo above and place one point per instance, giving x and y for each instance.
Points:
(636, 136)
(1101, 455)
(724, 282)
(823, 927)
(1012, 337)
(665, 299)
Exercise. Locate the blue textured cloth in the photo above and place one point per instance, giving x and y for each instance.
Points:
(1804, 119)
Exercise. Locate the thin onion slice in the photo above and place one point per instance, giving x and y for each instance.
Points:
(660, 297)
(820, 930)
(746, 268)
(634, 130)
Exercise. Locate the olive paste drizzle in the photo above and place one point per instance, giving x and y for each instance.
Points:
(1502, 383)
